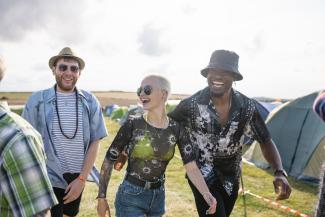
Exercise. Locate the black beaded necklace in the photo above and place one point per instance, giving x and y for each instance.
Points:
(57, 113)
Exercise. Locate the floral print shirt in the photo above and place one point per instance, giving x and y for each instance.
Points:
(150, 149)
(218, 148)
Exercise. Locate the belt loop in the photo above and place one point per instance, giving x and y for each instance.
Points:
(147, 185)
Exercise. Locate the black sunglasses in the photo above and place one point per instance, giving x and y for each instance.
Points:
(63, 68)
(146, 89)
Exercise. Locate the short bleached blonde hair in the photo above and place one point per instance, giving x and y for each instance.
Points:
(162, 82)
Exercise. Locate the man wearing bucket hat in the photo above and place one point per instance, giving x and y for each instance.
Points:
(71, 123)
(21, 154)
(217, 118)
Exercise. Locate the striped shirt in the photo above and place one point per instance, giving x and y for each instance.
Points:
(25, 188)
(319, 105)
(70, 152)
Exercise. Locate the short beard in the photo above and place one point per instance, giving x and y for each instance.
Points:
(66, 89)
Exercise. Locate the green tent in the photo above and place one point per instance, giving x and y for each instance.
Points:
(119, 113)
(299, 135)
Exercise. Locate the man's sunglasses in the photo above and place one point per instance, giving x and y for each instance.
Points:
(146, 89)
(63, 68)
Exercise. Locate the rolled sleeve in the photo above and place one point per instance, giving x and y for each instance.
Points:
(185, 146)
(257, 128)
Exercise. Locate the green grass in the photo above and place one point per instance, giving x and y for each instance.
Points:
(179, 199)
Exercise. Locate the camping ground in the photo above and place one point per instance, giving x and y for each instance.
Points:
(179, 198)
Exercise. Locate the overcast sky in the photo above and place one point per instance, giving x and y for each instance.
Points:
(281, 43)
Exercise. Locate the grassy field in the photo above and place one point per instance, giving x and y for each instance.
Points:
(179, 199)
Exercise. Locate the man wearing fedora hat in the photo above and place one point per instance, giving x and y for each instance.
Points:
(25, 189)
(217, 118)
(71, 123)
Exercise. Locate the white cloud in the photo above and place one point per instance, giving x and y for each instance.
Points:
(150, 42)
(62, 19)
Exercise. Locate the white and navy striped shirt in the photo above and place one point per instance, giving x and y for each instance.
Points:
(70, 152)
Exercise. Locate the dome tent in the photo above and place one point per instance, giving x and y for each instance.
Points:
(299, 135)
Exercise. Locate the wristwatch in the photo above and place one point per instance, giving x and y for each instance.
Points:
(281, 171)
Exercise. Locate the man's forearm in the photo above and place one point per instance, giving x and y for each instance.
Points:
(90, 158)
(271, 154)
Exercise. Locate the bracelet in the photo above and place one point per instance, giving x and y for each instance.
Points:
(281, 171)
(81, 178)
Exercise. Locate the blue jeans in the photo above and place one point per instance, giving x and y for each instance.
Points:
(134, 201)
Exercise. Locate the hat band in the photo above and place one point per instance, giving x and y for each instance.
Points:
(223, 67)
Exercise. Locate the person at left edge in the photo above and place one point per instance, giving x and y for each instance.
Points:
(319, 109)
(71, 123)
(25, 189)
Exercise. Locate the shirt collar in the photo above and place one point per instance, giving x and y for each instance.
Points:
(51, 94)
(205, 98)
(237, 99)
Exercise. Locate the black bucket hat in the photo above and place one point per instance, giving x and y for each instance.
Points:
(224, 60)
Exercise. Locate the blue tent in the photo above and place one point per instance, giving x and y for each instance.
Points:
(299, 135)
(109, 109)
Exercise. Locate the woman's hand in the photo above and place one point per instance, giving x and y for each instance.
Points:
(103, 207)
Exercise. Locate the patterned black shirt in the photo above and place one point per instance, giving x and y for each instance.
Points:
(150, 149)
(218, 148)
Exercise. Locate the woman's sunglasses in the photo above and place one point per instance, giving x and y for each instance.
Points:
(146, 89)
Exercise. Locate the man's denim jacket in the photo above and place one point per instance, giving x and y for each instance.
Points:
(39, 112)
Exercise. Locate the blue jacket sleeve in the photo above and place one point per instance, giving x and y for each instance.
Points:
(97, 124)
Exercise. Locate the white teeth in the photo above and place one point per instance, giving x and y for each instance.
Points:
(218, 83)
(145, 100)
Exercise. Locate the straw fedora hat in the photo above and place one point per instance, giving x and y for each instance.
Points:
(67, 52)
(224, 60)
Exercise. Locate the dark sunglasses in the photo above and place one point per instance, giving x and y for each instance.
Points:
(146, 89)
(63, 68)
